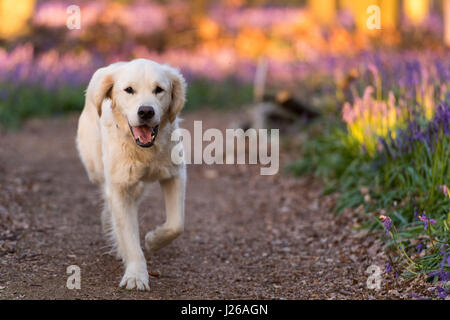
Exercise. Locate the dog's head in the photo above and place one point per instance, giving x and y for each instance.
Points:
(144, 93)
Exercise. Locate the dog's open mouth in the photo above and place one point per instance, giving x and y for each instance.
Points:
(144, 135)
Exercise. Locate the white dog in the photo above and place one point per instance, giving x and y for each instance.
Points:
(124, 141)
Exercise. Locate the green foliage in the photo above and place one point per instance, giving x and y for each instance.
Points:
(27, 101)
(397, 186)
(225, 94)
(18, 104)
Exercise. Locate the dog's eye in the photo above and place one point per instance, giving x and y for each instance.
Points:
(129, 90)
(158, 89)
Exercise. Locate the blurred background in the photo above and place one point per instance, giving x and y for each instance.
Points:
(315, 44)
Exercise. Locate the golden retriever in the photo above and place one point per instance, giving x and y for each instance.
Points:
(124, 141)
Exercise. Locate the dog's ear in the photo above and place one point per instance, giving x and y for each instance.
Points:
(178, 92)
(99, 88)
(103, 91)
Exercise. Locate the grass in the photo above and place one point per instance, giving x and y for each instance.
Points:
(225, 94)
(401, 186)
(18, 104)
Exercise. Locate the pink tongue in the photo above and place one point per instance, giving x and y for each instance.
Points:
(143, 133)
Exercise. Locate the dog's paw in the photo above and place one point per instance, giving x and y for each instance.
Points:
(151, 243)
(135, 280)
(161, 237)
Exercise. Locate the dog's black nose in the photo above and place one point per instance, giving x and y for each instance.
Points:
(146, 112)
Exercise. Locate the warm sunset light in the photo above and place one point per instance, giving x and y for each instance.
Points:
(416, 10)
(14, 16)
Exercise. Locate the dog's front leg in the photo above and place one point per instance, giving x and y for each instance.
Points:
(123, 204)
(174, 193)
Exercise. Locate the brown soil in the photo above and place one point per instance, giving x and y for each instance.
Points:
(247, 236)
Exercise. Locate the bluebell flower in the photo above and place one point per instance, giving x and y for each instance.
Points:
(426, 221)
(386, 221)
(419, 247)
(388, 268)
(443, 293)
(443, 275)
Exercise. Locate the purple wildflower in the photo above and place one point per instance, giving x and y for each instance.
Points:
(426, 220)
(441, 273)
(419, 297)
(428, 135)
(388, 268)
(419, 247)
(442, 292)
(442, 118)
(387, 222)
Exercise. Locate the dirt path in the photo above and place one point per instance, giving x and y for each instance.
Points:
(247, 236)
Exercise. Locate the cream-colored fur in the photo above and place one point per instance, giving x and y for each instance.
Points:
(113, 160)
